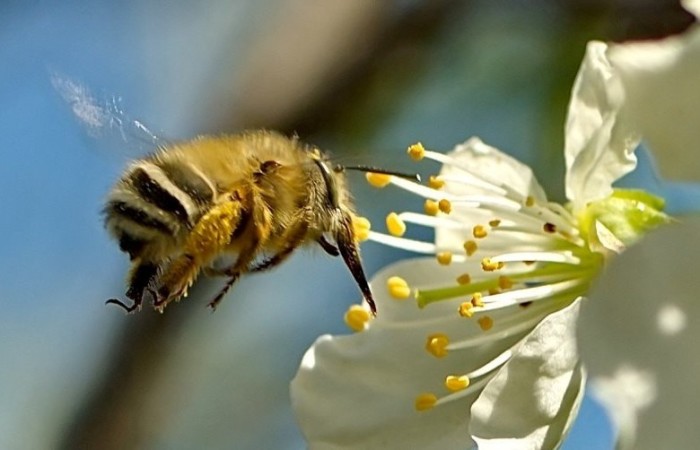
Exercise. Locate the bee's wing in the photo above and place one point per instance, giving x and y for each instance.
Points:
(105, 120)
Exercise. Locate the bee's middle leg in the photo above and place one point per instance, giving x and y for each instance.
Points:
(293, 237)
(254, 236)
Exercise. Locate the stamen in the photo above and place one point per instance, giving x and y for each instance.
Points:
(565, 257)
(395, 225)
(488, 265)
(504, 282)
(479, 231)
(378, 180)
(406, 244)
(466, 309)
(426, 401)
(470, 247)
(444, 258)
(494, 223)
(437, 344)
(530, 201)
(361, 227)
(436, 182)
(357, 318)
(507, 327)
(530, 294)
(431, 221)
(416, 151)
(480, 375)
(549, 227)
(477, 300)
(464, 279)
(398, 288)
(485, 322)
(456, 383)
(445, 206)
(419, 189)
(431, 207)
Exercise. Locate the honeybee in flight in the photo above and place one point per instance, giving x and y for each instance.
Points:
(256, 196)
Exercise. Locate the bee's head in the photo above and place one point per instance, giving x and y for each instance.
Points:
(343, 230)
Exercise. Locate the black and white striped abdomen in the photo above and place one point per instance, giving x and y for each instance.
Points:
(154, 204)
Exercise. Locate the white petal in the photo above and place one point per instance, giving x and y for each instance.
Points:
(358, 391)
(493, 165)
(660, 80)
(531, 402)
(474, 159)
(599, 143)
(641, 323)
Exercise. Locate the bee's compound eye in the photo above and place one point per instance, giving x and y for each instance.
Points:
(269, 166)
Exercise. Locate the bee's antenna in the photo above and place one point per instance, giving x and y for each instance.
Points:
(408, 176)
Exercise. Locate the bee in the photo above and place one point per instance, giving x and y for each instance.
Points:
(250, 199)
(256, 196)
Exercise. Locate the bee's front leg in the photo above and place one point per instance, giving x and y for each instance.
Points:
(142, 274)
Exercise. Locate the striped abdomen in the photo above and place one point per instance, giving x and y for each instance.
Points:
(154, 205)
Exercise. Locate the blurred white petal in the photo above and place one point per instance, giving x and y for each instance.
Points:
(648, 290)
(662, 99)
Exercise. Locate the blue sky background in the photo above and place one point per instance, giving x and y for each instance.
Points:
(227, 381)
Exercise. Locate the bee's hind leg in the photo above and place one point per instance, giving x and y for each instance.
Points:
(209, 237)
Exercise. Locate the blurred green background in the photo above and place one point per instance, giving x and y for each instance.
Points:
(363, 79)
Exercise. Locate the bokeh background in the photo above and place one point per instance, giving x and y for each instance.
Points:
(362, 78)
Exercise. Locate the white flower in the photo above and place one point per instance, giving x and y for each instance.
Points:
(488, 349)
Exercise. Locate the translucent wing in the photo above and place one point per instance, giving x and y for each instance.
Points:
(104, 119)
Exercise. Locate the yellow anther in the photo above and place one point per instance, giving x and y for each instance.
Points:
(470, 247)
(398, 288)
(426, 401)
(485, 322)
(445, 206)
(444, 258)
(494, 223)
(357, 317)
(437, 344)
(456, 383)
(416, 151)
(395, 225)
(435, 182)
(476, 299)
(431, 207)
(530, 201)
(494, 291)
(480, 232)
(504, 282)
(549, 227)
(378, 180)
(466, 309)
(361, 227)
(463, 279)
(489, 266)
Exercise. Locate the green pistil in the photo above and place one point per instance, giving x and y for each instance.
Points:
(627, 213)
(428, 296)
